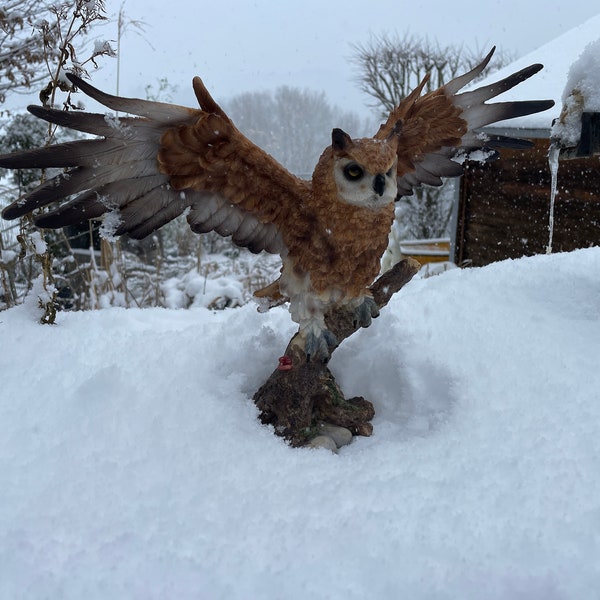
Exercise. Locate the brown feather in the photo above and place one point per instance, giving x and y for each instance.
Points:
(212, 155)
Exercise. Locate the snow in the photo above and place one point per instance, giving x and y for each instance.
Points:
(110, 222)
(7, 256)
(197, 289)
(581, 94)
(103, 47)
(584, 75)
(132, 464)
(38, 242)
(557, 57)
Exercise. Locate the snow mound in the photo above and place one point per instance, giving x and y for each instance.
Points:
(581, 94)
(132, 464)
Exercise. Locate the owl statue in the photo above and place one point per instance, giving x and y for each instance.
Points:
(162, 160)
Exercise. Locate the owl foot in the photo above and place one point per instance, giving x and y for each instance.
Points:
(317, 344)
(365, 312)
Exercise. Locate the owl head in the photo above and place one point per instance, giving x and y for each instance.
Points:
(364, 170)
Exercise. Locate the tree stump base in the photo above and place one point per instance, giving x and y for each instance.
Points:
(301, 394)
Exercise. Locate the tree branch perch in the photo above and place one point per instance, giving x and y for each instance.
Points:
(297, 397)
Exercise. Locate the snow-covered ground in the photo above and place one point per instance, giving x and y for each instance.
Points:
(132, 464)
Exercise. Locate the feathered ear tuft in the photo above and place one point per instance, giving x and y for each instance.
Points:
(340, 140)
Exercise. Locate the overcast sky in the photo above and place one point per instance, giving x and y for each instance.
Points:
(238, 46)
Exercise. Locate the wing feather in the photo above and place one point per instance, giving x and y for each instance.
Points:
(433, 128)
(143, 209)
(218, 217)
(106, 125)
(81, 208)
(153, 166)
(140, 223)
(155, 111)
(244, 228)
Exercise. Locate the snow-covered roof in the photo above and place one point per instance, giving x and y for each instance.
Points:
(557, 57)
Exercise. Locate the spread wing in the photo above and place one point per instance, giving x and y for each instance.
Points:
(154, 166)
(434, 128)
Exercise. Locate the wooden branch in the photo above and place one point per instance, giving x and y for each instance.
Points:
(300, 394)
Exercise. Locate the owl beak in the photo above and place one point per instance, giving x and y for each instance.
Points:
(379, 184)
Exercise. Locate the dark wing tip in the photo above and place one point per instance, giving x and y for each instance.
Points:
(534, 68)
(12, 212)
(75, 79)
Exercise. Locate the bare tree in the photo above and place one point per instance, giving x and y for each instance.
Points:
(292, 124)
(389, 68)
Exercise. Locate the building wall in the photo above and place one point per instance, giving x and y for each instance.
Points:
(504, 206)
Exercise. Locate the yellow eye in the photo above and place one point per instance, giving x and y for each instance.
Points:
(353, 172)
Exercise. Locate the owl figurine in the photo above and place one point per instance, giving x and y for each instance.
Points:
(162, 160)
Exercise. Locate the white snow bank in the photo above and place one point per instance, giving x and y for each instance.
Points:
(132, 464)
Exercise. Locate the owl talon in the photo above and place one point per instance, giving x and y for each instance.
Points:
(317, 344)
(365, 312)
